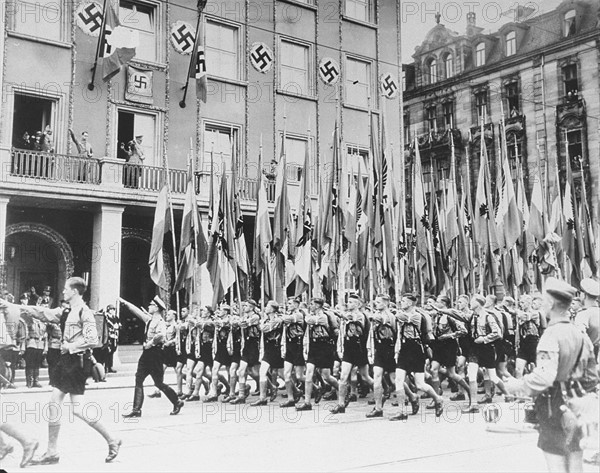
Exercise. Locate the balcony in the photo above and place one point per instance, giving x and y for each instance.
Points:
(40, 174)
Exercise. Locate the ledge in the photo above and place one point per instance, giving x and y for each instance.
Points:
(349, 19)
(300, 4)
(37, 39)
(311, 98)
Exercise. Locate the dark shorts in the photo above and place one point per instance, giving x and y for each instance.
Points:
(411, 357)
(355, 353)
(553, 438)
(294, 353)
(70, 376)
(445, 352)
(251, 352)
(169, 356)
(191, 355)
(464, 346)
(483, 354)
(206, 354)
(222, 356)
(272, 355)
(385, 358)
(503, 350)
(528, 349)
(321, 354)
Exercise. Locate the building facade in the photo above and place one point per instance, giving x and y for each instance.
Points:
(288, 65)
(541, 74)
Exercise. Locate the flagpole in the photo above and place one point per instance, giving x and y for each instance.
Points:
(187, 79)
(176, 269)
(262, 273)
(284, 170)
(588, 214)
(100, 37)
(309, 202)
(469, 203)
(341, 278)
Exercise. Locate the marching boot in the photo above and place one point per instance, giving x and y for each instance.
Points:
(35, 378)
(138, 401)
(28, 376)
(51, 457)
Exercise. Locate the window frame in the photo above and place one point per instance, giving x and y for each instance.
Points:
(448, 110)
(477, 106)
(569, 22)
(310, 142)
(235, 130)
(64, 7)
(449, 59)
(480, 54)
(310, 65)
(370, 86)
(371, 14)
(510, 42)
(159, 31)
(239, 47)
(572, 79)
(431, 118)
(158, 129)
(432, 70)
(511, 93)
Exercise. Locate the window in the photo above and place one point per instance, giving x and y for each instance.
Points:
(449, 65)
(570, 80)
(222, 50)
(431, 113)
(360, 10)
(448, 109)
(481, 105)
(356, 158)
(130, 125)
(480, 55)
(40, 18)
(220, 141)
(511, 92)
(575, 148)
(569, 23)
(358, 82)
(511, 43)
(142, 18)
(294, 72)
(295, 152)
(433, 71)
(403, 80)
(31, 114)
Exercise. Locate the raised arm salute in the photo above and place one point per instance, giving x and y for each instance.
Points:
(78, 327)
(150, 363)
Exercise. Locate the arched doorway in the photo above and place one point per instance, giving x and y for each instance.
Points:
(38, 256)
(136, 285)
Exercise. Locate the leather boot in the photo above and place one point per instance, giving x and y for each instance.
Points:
(35, 383)
(28, 376)
(138, 401)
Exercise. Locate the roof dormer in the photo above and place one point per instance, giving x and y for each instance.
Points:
(512, 36)
(571, 17)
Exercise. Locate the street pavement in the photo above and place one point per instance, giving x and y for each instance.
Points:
(217, 437)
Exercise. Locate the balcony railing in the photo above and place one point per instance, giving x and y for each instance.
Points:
(54, 167)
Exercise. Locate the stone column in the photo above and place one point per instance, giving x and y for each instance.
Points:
(106, 257)
(3, 214)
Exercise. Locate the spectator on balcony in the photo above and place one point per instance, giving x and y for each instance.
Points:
(135, 159)
(38, 141)
(26, 141)
(47, 140)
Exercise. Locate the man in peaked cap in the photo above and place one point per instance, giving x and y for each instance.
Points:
(562, 347)
(588, 319)
(150, 363)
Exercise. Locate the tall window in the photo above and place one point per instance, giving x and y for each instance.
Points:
(359, 10)
(511, 91)
(570, 81)
(433, 71)
(406, 127)
(40, 18)
(575, 147)
(480, 55)
(449, 65)
(448, 109)
(431, 113)
(481, 105)
(222, 49)
(131, 125)
(357, 156)
(511, 43)
(295, 152)
(142, 18)
(220, 144)
(569, 23)
(358, 82)
(294, 61)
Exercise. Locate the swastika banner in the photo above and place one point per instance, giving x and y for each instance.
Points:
(139, 85)
(182, 37)
(261, 57)
(389, 86)
(329, 70)
(89, 18)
